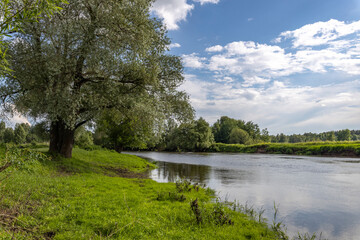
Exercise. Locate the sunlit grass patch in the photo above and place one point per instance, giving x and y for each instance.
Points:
(83, 198)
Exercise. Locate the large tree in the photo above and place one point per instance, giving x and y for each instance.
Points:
(93, 55)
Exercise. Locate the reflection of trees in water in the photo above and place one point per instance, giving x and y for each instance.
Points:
(230, 176)
(173, 171)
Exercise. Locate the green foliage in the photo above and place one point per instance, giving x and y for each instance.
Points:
(83, 138)
(239, 136)
(223, 147)
(283, 138)
(118, 132)
(40, 131)
(341, 135)
(2, 130)
(24, 133)
(90, 57)
(19, 134)
(194, 136)
(20, 158)
(14, 14)
(204, 137)
(224, 127)
(8, 135)
(344, 135)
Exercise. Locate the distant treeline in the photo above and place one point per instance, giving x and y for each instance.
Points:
(200, 136)
(225, 135)
(344, 148)
(341, 135)
(24, 133)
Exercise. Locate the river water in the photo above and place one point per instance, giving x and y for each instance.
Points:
(314, 194)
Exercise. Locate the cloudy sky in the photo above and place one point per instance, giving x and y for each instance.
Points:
(292, 66)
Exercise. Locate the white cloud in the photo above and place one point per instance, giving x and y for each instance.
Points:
(172, 11)
(216, 48)
(207, 1)
(174, 45)
(252, 80)
(11, 120)
(255, 62)
(320, 33)
(19, 119)
(321, 47)
(225, 79)
(280, 108)
(250, 19)
(193, 61)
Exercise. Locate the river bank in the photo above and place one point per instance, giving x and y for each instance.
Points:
(106, 195)
(332, 149)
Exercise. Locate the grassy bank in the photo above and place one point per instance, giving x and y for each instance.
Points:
(105, 195)
(345, 149)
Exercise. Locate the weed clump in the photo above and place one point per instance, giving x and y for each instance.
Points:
(216, 213)
(171, 196)
(196, 210)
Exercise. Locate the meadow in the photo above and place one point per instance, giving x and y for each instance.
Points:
(102, 194)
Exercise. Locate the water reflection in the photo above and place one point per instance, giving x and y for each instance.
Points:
(314, 194)
(234, 177)
(170, 172)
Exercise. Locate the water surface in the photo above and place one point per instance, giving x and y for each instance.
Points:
(314, 194)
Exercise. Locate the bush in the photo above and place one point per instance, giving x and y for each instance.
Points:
(83, 138)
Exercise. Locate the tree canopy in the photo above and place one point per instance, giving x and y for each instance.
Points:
(224, 126)
(193, 136)
(92, 56)
(14, 13)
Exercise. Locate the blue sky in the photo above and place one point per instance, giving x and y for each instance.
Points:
(291, 66)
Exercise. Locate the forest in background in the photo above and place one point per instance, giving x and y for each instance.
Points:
(196, 135)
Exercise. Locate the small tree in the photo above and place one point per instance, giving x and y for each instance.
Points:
(283, 138)
(239, 136)
(83, 138)
(41, 131)
(8, 135)
(2, 130)
(117, 131)
(344, 135)
(193, 136)
(19, 134)
(205, 137)
(330, 136)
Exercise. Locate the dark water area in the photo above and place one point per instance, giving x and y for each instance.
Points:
(314, 194)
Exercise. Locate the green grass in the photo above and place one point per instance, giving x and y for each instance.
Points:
(87, 197)
(346, 149)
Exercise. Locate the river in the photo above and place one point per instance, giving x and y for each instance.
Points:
(314, 194)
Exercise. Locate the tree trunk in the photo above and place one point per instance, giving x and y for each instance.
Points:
(61, 139)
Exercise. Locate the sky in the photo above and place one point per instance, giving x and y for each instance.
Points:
(291, 66)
